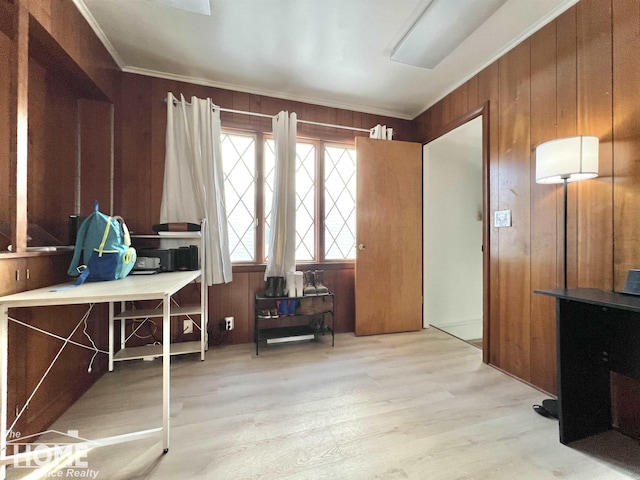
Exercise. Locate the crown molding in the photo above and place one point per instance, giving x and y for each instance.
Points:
(238, 88)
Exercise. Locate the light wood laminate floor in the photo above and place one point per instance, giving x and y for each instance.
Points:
(419, 406)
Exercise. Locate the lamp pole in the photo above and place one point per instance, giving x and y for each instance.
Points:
(549, 407)
(565, 180)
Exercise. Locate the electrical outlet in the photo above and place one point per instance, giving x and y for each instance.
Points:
(187, 326)
(226, 324)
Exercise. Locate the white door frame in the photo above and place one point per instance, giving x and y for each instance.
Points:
(482, 110)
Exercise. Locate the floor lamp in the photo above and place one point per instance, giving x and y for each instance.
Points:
(565, 160)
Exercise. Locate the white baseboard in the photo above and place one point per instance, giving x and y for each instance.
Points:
(465, 329)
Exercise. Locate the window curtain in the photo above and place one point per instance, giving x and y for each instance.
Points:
(282, 237)
(381, 132)
(194, 179)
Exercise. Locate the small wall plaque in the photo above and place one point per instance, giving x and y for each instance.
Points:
(502, 218)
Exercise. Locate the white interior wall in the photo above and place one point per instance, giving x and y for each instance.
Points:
(453, 231)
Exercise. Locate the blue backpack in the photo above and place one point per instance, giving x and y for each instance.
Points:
(105, 246)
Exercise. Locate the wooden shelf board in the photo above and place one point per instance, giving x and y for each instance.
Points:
(288, 332)
(157, 312)
(180, 236)
(261, 297)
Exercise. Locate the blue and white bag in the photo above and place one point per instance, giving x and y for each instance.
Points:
(105, 246)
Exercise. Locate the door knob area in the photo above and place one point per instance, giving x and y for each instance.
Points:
(361, 246)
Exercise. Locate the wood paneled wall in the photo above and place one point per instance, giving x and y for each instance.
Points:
(625, 171)
(6, 177)
(576, 75)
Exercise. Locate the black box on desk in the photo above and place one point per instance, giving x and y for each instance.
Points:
(167, 257)
(187, 258)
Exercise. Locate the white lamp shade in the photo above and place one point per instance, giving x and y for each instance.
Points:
(572, 158)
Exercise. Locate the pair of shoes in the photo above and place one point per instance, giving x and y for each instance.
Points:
(287, 307)
(275, 287)
(273, 313)
(314, 283)
(318, 325)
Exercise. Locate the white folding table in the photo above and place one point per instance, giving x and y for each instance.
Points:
(132, 288)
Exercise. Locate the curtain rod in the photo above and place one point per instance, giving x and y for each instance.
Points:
(308, 122)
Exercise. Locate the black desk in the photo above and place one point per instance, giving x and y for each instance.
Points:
(597, 332)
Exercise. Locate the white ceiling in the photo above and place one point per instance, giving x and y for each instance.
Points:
(327, 52)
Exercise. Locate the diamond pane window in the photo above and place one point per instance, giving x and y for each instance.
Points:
(305, 197)
(305, 201)
(239, 160)
(340, 203)
(269, 177)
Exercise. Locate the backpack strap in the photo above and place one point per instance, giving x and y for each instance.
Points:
(80, 238)
(126, 237)
(84, 273)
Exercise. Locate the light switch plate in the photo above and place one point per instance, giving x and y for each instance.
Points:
(502, 218)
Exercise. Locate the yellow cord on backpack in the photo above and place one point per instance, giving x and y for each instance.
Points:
(104, 237)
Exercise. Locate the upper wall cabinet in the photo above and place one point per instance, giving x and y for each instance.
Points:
(56, 137)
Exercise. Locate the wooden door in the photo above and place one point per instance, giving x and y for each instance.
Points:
(388, 283)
